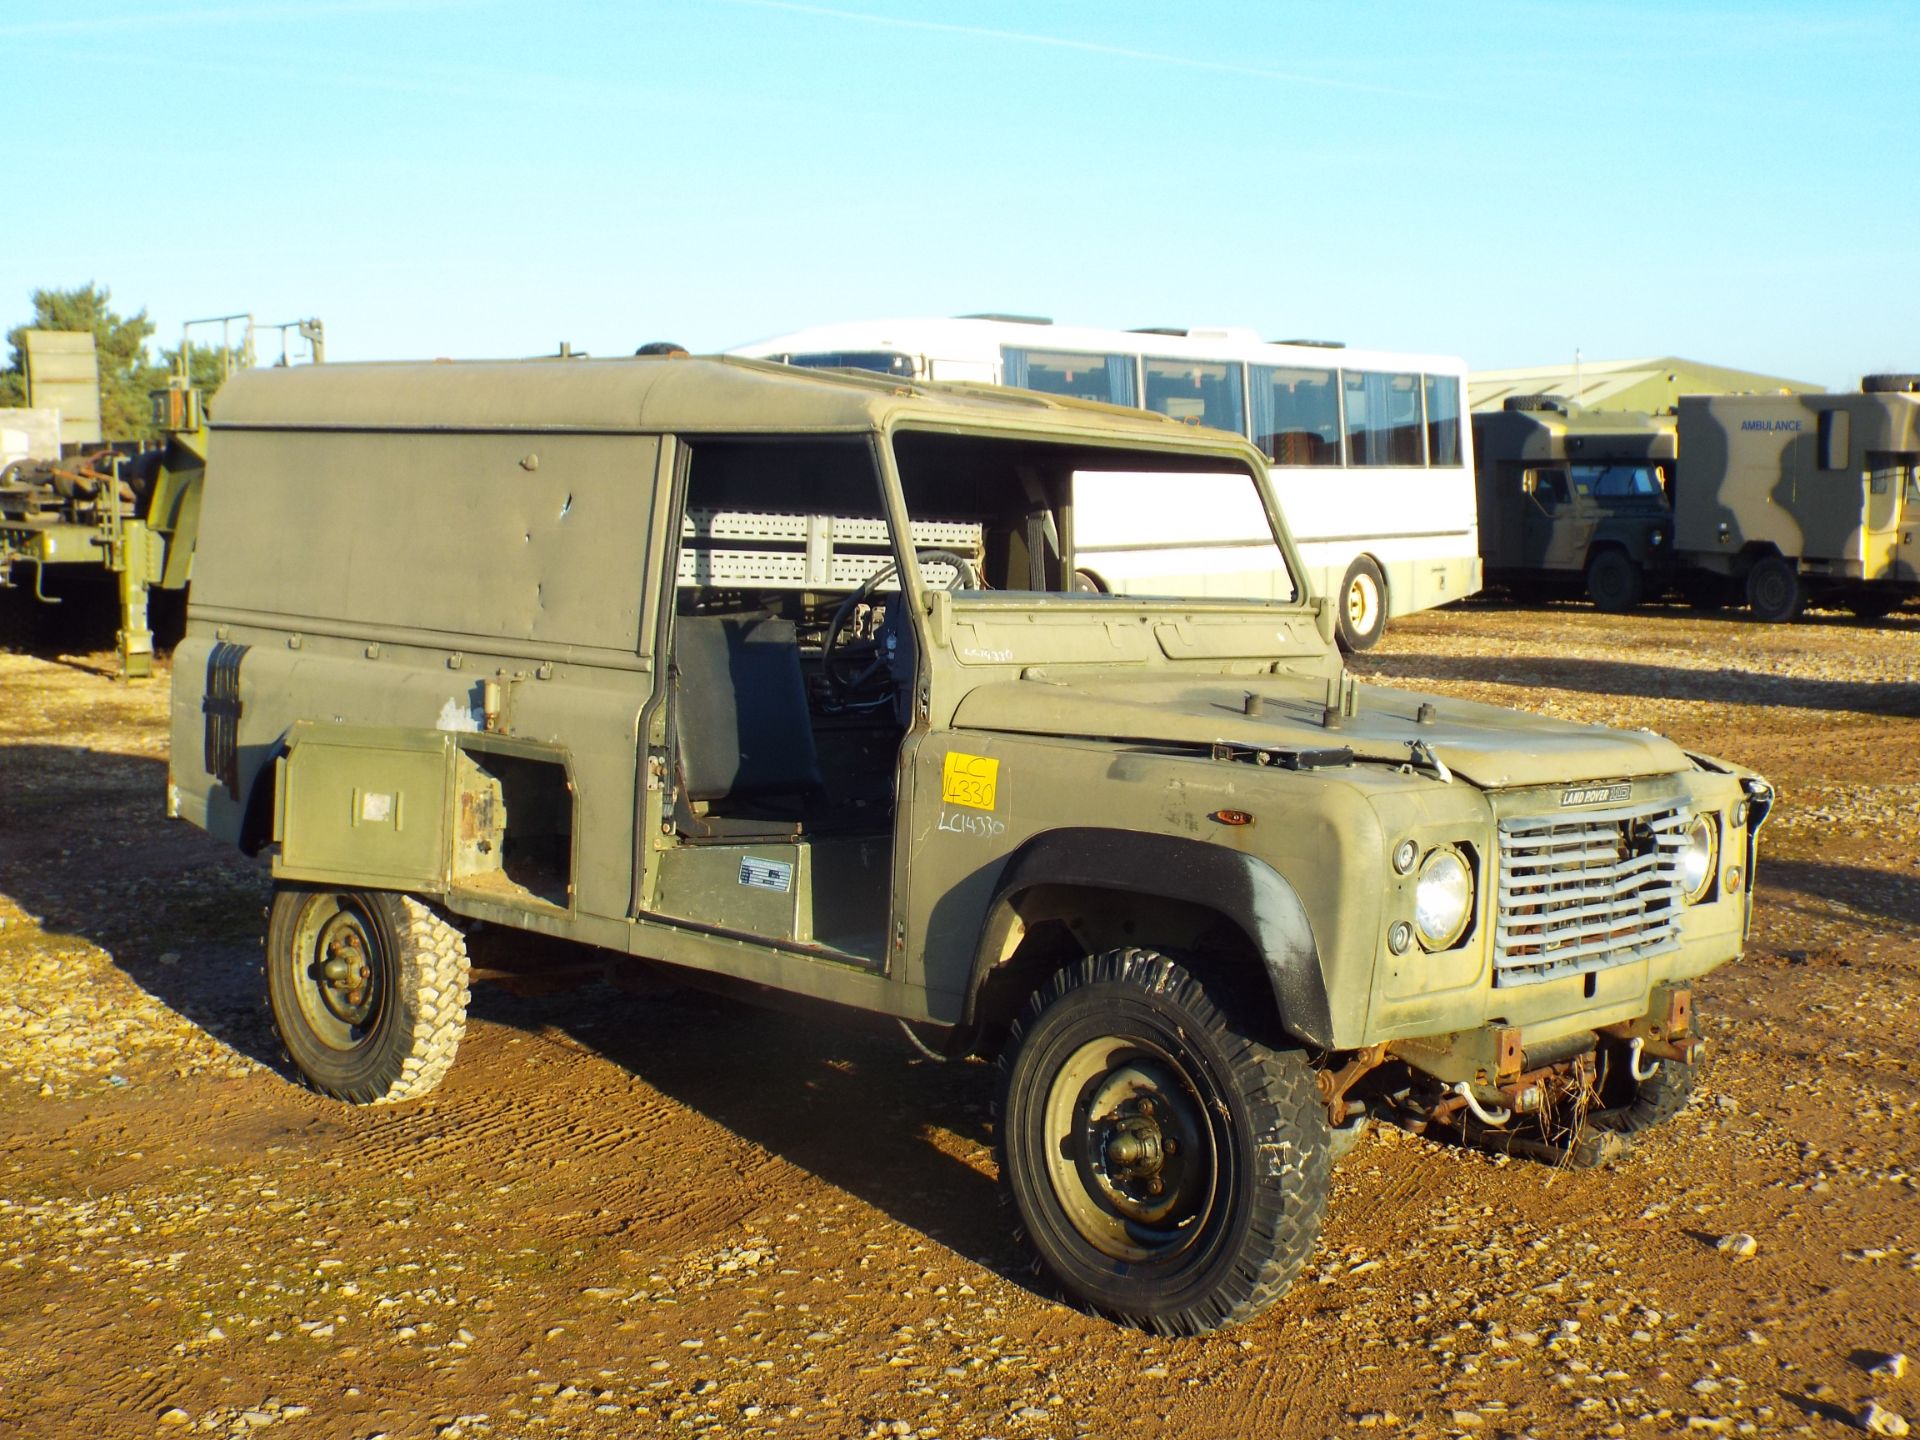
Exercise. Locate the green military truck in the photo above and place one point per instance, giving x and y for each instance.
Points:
(779, 678)
(1781, 500)
(1570, 497)
(130, 513)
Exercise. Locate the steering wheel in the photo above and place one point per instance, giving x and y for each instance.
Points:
(856, 687)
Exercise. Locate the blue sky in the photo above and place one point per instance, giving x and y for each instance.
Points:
(1732, 183)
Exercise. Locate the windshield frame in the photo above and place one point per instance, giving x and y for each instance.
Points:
(1197, 453)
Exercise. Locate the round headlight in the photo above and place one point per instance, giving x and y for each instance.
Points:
(1697, 857)
(1442, 899)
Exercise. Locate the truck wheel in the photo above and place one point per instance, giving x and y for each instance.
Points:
(1890, 384)
(1629, 1106)
(1163, 1167)
(1614, 583)
(1774, 592)
(1363, 606)
(368, 991)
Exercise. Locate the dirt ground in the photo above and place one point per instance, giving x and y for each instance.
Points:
(638, 1214)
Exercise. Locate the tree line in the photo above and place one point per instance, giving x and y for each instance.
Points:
(128, 372)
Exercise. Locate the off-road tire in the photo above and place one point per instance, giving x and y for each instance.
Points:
(415, 1006)
(1614, 583)
(1363, 606)
(1630, 1106)
(1245, 1187)
(1890, 384)
(1774, 592)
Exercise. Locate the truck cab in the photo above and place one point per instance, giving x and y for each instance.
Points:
(1571, 498)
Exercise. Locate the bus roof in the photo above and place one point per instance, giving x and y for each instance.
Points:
(977, 337)
(712, 394)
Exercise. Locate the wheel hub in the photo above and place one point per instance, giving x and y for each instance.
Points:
(1134, 1149)
(345, 973)
(1362, 602)
(1133, 1163)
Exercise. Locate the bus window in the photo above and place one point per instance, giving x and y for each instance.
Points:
(1086, 377)
(1383, 419)
(1296, 415)
(1443, 420)
(883, 362)
(1199, 392)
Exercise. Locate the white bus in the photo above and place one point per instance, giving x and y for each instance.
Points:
(1371, 462)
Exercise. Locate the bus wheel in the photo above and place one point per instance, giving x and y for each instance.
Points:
(1774, 591)
(1614, 582)
(1363, 606)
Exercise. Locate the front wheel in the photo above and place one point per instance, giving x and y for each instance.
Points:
(1614, 583)
(1630, 1106)
(1774, 591)
(1363, 606)
(368, 991)
(1165, 1168)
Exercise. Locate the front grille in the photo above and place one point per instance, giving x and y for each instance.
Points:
(1587, 891)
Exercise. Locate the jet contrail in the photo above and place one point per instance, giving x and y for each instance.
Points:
(1090, 47)
(216, 15)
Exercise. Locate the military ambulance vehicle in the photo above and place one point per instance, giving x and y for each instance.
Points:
(1571, 497)
(780, 677)
(1801, 498)
(1775, 499)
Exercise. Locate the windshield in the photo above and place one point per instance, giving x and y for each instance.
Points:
(1617, 481)
(1031, 515)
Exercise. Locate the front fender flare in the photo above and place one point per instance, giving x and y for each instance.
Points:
(1245, 890)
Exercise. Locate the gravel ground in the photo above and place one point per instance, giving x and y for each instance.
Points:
(664, 1214)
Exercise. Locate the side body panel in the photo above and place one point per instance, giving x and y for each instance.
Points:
(977, 799)
(429, 583)
(1820, 478)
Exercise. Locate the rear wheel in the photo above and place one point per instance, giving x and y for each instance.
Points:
(1774, 591)
(1164, 1167)
(1614, 583)
(1363, 605)
(368, 991)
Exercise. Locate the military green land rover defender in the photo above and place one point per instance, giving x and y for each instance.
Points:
(785, 677)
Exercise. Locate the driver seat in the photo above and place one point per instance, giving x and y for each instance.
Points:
(740, 728)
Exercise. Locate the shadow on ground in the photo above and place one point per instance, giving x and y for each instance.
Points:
(1724, 686)
(1879, 894)
(84, 845)
(86, 618)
